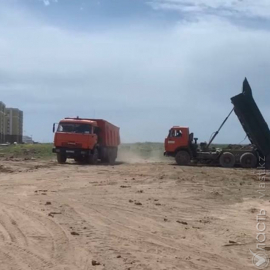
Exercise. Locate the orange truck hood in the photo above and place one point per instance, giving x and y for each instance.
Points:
(74, 140)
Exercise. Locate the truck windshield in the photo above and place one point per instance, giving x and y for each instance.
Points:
(74, 128)
(175, 133)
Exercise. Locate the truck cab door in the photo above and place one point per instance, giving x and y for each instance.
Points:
(93, 137)
(175, 140)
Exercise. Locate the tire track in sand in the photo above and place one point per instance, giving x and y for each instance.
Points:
(99, 242)
(59, 253)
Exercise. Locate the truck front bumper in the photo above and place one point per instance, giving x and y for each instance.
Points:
(71, 152)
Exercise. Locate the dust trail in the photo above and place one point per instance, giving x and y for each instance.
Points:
(141, 153)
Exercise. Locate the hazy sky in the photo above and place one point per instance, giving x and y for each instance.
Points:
(144, 65)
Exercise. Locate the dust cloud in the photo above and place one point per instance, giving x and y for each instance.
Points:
(141, 153)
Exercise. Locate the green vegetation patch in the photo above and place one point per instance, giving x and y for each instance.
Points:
(27, 150)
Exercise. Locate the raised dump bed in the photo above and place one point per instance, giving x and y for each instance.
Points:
(253, 122)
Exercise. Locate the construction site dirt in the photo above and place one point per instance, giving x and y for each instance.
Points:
(140, 215)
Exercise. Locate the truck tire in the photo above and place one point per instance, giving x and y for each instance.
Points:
(227, 160)
(248, 160)
(182, 158)
(104, 155)
(116, 152)
(93, 159)
(112, 155)
(61, 158)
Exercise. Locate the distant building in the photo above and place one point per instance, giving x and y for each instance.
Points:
(13, 125)
(2, 122)
(27, 140)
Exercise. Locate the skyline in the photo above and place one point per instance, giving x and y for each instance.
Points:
(142, 65)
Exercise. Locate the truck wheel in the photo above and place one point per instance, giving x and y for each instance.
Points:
(182, 158)
(104, 155)
(115, 150)
(112, 156)
(104, 160)
(93, 159)
(61, 158)
(248, 160)
(227, 160)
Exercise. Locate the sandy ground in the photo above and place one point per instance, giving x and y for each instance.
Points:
(128, 216)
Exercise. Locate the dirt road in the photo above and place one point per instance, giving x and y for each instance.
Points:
(128, 216)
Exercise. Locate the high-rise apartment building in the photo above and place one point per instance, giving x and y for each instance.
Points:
(2, 122)
(13, 125)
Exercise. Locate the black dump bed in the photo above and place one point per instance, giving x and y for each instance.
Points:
(252, 120)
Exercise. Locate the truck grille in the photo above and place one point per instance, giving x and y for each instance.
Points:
(72, 145)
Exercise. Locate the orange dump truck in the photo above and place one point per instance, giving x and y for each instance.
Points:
(86, 140)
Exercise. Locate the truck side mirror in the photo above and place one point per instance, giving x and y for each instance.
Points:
(53, 127)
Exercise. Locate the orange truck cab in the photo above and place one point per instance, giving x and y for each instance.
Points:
(86, 140)
(179, 140)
